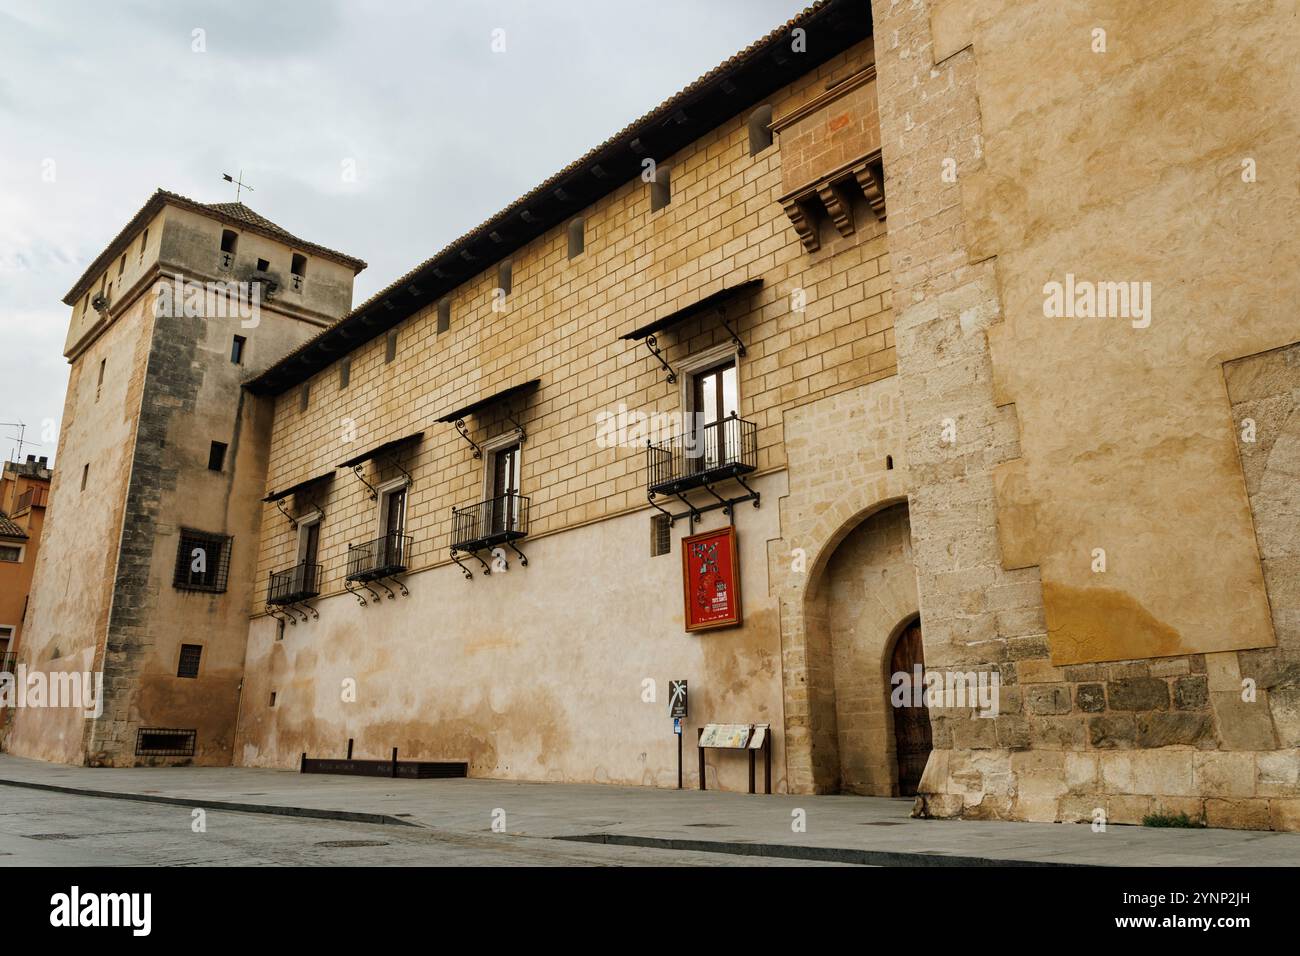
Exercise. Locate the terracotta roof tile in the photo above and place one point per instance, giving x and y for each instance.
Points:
(9, 529)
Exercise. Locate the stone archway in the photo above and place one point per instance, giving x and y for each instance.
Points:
(860, 597)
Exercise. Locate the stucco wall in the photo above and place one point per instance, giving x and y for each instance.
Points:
(534, 673)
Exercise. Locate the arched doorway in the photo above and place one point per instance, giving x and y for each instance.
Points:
(859, 604)
(912, 741)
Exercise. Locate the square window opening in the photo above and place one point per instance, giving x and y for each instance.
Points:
(202, 561)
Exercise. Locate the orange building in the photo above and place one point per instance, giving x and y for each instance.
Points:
(24, 489)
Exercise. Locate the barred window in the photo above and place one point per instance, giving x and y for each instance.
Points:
(202, 561)
(191, 654)
(661, 535)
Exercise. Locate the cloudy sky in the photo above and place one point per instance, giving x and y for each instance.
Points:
(111, 100)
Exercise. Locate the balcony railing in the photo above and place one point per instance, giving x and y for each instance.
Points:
(720, 450)
(489, 523)
(381, 558)
(298, 583)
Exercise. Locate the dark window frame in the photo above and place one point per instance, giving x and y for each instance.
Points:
(189, 662)
(216, 575)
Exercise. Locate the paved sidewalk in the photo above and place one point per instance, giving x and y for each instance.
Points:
(844, 829)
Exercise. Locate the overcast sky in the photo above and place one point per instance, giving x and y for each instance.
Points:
(113, 100)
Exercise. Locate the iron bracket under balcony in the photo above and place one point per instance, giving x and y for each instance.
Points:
(723, 451)
(372, 563)
(486, 526)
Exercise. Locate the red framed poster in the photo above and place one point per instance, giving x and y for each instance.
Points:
(711, 580)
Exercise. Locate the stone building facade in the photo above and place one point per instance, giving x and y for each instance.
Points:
(160, 454)
(848, 235)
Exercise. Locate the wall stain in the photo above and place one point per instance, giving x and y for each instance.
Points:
(1103, 624)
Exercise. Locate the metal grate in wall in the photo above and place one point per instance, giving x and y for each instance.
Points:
(661, 535)
(202, 561)
(164, 742)
(191, 654)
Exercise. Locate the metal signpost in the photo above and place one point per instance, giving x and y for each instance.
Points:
(677, 711)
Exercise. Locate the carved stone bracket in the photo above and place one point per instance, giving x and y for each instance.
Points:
(833, 196)
(804, 223)
(872, 183)
(838, 206)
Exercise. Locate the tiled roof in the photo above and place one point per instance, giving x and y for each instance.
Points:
(234, 213)
(10, 530)
(831, 26)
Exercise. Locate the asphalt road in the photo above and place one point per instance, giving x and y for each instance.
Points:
(52, 829)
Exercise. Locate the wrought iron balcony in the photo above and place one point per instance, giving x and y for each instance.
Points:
(717, 451)
(489, 523)
(482, 526)
(383, 557)
(298, 583)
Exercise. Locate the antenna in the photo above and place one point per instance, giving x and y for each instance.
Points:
(22, 430)
(238, 183)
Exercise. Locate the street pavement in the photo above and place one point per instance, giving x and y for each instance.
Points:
(56, 829)
(285, 814)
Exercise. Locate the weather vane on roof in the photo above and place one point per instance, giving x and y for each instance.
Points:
(238, 181)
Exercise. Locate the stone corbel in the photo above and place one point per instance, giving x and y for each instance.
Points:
(833, 195)
(804, 224)
(873, 187)
(838, 206)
